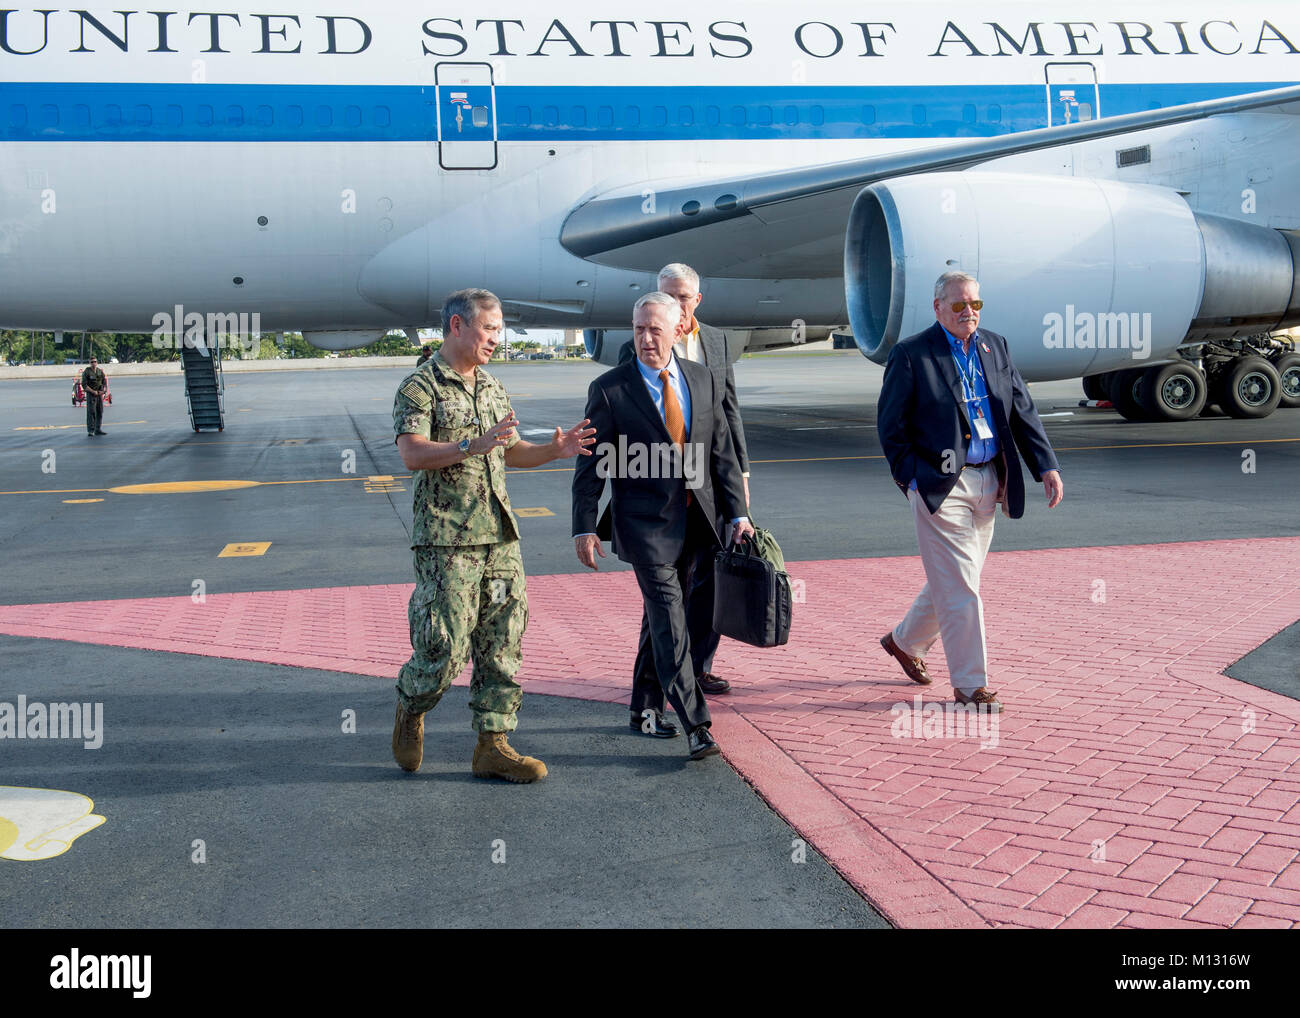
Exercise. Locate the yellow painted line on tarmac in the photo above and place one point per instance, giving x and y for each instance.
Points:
(81, 501)
(319, 480)
(539, 510)
(180, 487)
(173, 487)
(65, 427)
(1171, 445)
(246, 549)
(53, 491)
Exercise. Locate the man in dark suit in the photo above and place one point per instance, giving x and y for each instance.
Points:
(663, 441)
(953, 411)
(705, 345)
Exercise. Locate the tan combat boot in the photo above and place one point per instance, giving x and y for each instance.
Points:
(493, 758)
(408, 739)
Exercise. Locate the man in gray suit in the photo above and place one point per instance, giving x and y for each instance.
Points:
(705, 345)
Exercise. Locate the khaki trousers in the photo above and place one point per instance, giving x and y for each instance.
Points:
(954, 543)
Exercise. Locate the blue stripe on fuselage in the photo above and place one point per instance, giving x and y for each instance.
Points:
(99, 111)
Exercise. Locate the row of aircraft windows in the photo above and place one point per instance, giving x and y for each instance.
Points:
(736, 116)
(79, 116)
(142, 115)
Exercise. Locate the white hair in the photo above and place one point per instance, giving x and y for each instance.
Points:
(679, 270)
(659, 298)
(941, 284)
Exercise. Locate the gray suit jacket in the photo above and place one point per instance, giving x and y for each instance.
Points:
(713, 342)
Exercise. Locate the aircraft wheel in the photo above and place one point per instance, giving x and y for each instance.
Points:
(1094, 387)
(1250, 388)
(1288, 369)
(1125, 393)
(1173, 392)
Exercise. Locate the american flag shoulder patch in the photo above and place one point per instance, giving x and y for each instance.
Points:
(416, 393)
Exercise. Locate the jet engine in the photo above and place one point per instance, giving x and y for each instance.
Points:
(1081, 275)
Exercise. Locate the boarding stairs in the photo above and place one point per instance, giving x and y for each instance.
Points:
(205, 388)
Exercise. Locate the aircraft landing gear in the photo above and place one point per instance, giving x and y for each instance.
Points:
(1246, 379)
(1248, 387)
(1126, 394)
(1288, 370)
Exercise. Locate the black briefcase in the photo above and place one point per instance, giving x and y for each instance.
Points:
(751, 596)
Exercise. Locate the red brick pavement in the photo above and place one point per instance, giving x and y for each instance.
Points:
(1128, 784)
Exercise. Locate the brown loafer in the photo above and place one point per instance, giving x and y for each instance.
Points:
(913, 666)
(710, 683)
(984, 698)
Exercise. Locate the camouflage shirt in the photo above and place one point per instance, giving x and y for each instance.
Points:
(92, 379)
(465, 503)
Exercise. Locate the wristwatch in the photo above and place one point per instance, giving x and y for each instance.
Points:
(463, 446)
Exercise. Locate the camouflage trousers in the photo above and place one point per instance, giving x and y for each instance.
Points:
(469, 602)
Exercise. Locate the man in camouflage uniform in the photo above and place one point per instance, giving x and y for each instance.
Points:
(94, 384)
(456, 431)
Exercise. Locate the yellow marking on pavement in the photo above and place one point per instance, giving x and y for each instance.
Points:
(540, 510)
(246, 549)
(40, 823)
(379, 483)
(65, 427)
(314, 480)
(245, 410)
(81, 501)
(1171, 445)
(179, 487)
(52, 491)
(200, 486)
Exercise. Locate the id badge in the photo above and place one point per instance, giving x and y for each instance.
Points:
(982, 428)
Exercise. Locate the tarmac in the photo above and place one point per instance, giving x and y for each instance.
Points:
(1143, 635)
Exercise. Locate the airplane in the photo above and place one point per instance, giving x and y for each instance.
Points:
(1120, 177)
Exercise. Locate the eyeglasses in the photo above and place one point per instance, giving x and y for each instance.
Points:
(959, 305)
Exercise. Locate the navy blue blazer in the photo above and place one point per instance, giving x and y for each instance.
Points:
(923, 424)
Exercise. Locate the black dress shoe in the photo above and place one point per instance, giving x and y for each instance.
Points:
(651, 722)
(101, 432)
(710, 683)
(702, 744)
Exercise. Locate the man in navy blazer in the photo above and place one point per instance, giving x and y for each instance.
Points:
(663, 441)
(953, 412)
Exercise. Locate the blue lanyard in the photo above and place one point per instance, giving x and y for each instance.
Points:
(968, 381)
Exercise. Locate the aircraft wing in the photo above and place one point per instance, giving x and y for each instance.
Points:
(789, 224)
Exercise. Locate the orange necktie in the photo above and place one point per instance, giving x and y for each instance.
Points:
(673, 419)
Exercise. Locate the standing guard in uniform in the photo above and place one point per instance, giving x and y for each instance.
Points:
(95, 385)
(456, 431)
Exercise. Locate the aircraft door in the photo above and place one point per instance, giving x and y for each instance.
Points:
(467, 116)
(1071, 93)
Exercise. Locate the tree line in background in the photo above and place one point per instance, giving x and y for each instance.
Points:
(31, 347)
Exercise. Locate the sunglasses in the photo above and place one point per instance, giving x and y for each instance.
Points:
(958, 305)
